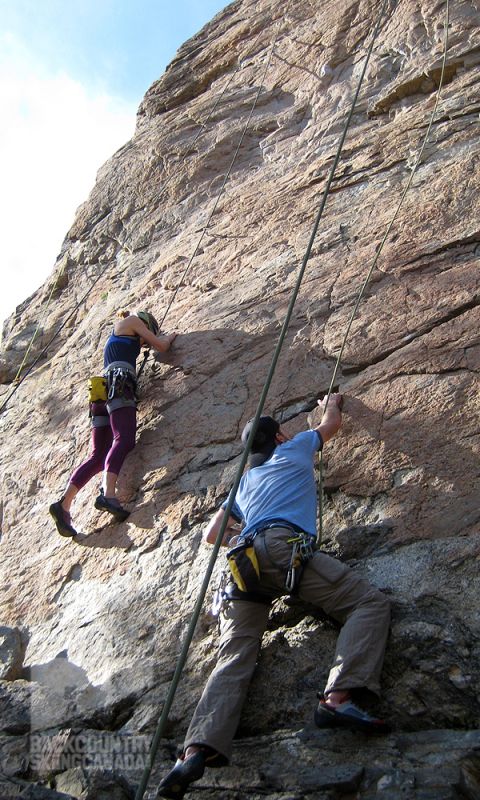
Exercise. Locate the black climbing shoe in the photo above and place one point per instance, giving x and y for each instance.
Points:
(348, 715)
(63, 520)
(111, 505)
(185, 771)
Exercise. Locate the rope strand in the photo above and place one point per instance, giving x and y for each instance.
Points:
(377, 256)
(243, 461)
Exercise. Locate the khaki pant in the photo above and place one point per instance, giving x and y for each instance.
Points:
(327, 583)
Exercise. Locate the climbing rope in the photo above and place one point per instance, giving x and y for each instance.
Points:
(377, 256)
(243, 461)
(17, 381)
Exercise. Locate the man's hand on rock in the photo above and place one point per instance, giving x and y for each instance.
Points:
(335, 399)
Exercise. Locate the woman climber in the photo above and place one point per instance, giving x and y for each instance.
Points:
(113, 412)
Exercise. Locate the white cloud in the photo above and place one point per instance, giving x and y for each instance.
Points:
(55, 135)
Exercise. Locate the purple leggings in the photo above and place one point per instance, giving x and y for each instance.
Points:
(110, 446)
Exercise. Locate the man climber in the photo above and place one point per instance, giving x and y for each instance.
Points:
(276, 504)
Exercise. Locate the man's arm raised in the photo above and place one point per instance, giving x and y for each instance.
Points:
(332, 416)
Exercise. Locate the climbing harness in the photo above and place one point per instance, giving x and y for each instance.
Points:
(248, 446)
(243, 562)
(98, 415)
(121, 383)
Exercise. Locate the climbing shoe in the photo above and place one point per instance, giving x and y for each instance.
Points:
(348, 715)
(111, 505)
(63, 520)
(185, 771)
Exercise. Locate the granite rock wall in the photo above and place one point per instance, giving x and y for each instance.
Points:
(99, 620)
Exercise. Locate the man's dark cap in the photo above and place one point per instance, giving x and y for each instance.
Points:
(264, 438)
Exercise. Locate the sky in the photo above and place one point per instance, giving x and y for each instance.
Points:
(72, 75)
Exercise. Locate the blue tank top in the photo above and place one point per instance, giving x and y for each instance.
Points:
(121, 348)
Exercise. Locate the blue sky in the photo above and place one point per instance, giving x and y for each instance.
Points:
(63, 65)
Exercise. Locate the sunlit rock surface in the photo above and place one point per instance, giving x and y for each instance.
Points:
(102, 618)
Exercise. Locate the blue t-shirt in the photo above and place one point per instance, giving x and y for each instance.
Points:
(121, 348)
(282, 488)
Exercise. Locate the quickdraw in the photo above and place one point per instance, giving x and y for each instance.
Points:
(121, 383)
(303, 548)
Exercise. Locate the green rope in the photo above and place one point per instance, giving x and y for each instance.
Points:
(377, 256)
(243, 461)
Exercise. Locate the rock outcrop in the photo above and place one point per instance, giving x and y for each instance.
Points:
(103, 616)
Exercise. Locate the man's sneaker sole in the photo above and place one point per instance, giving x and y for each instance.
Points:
(176, 783)
(351, 718)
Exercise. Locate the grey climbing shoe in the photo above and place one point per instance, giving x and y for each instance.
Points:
(185, 771)
(62, 519)
(348, 715)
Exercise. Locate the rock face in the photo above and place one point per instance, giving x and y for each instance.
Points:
(104, 616)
